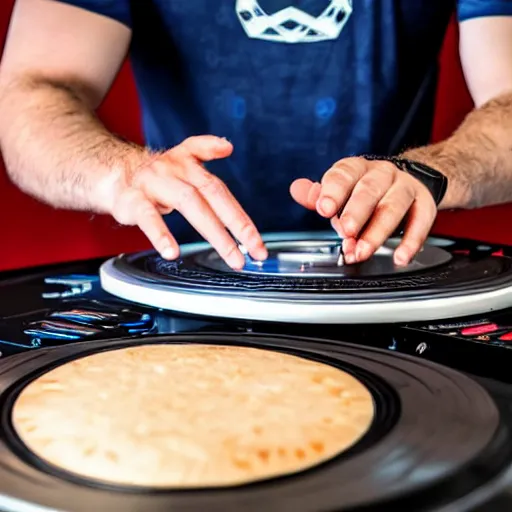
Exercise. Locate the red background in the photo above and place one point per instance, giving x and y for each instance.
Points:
(35, 234)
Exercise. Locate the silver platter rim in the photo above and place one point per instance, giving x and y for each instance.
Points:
(283, 310)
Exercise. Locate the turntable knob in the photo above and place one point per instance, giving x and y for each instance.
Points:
(421, 348)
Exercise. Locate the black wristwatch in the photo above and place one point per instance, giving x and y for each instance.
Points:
(435, 181)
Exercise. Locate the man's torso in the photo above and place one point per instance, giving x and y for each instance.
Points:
(295, 85)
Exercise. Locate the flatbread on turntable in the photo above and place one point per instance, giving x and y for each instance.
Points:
(191, 415)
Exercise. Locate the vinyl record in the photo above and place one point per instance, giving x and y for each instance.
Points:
(438, 437)
(301, 282)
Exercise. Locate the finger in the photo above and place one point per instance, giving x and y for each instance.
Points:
(228, 210)
(419, 223)
(305, 192)
(134, 208)
(338, 183)
(153, 226)
(336, 225)
(349, 250)
(388, 215)
(348, 244)
(205, 147)
(367, 194)
(191, 204)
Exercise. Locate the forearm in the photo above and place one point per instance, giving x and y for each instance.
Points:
(56, 149)
(477, 158)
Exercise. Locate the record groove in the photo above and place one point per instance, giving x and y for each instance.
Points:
(462, 273)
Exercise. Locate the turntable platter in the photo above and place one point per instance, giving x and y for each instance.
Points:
(302, 282)
(436, 436)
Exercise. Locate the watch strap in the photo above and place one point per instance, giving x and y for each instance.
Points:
(435, 181)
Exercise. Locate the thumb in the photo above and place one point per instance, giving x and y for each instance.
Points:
(305, 192)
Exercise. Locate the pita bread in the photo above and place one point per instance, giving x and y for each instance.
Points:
(191, 415)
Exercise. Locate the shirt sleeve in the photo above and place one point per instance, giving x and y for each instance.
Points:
(468, 9)
(118, 10)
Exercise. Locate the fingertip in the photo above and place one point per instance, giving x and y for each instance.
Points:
(402, 256)
(207, 147)
(260, 253)
(299, 190)
(167, 247)
(170, 253)
(294, 187)
(224, 144)
(301, 182)
(349, 250)
(236, 260)
(221, 148)
(363, 250)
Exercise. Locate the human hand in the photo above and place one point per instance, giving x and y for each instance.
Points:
(177, 180)
(373, 198)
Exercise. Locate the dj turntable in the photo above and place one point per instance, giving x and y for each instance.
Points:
(431, 342)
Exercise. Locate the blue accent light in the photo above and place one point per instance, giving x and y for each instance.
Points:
(143, 321)
(78, 284)
(138, 331)
(13, 344)
(75, 278)
(133, 324)
(53, 335)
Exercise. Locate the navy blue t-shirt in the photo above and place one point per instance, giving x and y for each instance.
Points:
(295, 85)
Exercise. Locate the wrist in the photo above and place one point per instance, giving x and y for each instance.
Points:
(458, 193)
(433, 180)
(117, 175)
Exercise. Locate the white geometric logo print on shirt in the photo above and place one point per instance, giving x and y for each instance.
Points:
(293, 25)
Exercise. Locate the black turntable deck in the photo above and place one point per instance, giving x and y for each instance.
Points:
(441, 441)
(301, 282)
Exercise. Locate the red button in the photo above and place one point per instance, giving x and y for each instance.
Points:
(479, 329)
(506, 337)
